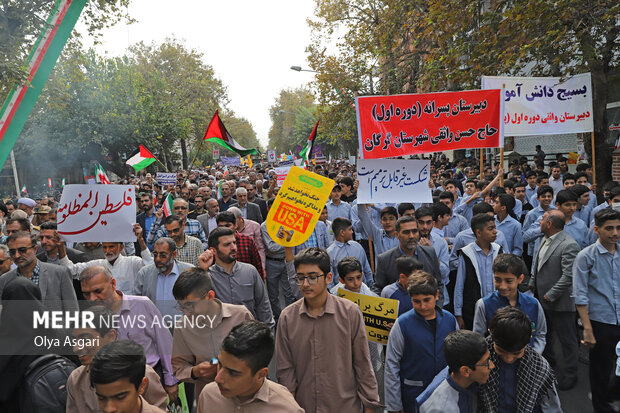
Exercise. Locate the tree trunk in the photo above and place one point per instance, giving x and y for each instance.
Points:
(184, 154)
(603, 150)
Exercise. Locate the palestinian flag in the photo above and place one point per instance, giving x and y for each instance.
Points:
(217, 133)
(141, 159)
(306, 152)
(100, 175)
(168, 206)
(24, 189)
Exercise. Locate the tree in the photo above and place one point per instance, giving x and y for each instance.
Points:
(283, 114)
(22, 21)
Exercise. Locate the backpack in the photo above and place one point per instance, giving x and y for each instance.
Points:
(44, 387)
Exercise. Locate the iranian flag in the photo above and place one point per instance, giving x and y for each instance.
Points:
(306, 152)
(141, 159)
(168, 206)
(217, 133)
(100, 175)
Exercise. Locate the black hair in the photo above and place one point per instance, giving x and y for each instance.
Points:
(340, 224)
(407, 265)
(252, 342)
(23, 223)
(347, 180)
(172, 218)
(614, 192)
(609, 185)
(404, 207)
(541, 177)
(471, 180)
(225, 216)
(193, 280)
(579, 189)
(530, 174)
(581, 174)
(440, 209)
(48, 225)
(448, 182)
(602, 216)
(511, 328)
(543, 189)
(463, 348)
(569, 177)
(509, 202)
(404, 220)
(520, 185)
(510, 264)
(509, 184)
(313, 256)
(479, 221)
(102, 319)
(447, 195)
(583, 166)
(423, 212)
(123, 359)
(347, 265)
(388, 210)
(565, 195)
(422, 283)
(217, 233)
(481, 208)
(149, 194)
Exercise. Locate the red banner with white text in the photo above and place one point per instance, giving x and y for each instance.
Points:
(390, 126)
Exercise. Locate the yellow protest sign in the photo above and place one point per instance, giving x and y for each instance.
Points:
(297, 207)
(378, 313)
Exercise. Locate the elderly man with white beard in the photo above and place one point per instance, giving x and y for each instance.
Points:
(124, 269)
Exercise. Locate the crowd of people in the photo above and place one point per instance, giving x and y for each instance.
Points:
(498, 282)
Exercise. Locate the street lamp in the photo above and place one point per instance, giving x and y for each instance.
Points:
(299, 69)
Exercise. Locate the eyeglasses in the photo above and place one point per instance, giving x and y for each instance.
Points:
(21, 250)
(486, 364)
(312, 279)
(187, 306)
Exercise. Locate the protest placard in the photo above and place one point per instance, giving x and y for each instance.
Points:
(544, 105)
(390, 126)
(271, 155)
(97, 213)
(282, 172)
(231, 160)
(165, 178)
(378, 313)
(216, 153)
(297, 207)
(393, 180)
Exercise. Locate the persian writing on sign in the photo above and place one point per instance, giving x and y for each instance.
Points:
(390, 126)
(97, 213)
(393, 180)
(544, 105)
(297, 207)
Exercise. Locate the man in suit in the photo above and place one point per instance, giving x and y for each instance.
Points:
(248, 209)
(552, 282)
(53, 280)
(408, 236)
(156, 280)
(255, 199)
(207, 220)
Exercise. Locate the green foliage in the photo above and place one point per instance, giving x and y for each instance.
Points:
(99, 108)
(283, 115)
(21, 22)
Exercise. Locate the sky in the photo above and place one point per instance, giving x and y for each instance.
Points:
(251, 45)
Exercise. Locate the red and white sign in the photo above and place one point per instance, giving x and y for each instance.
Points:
(398, 125)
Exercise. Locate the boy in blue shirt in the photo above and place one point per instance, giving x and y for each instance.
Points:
(415, 347)
(469, 365)
(405, 266)
(508, 272)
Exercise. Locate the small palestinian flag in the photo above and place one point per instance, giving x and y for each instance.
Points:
(141, 159)
(306, 152)
(100, 175)
(24, 189)
(168, 206)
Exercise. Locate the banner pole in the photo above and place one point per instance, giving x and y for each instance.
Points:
(371, 251)
(481, 163)
(501, 166)
(593, 158)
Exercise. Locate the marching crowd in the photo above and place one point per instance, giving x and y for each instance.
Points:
(498, 281)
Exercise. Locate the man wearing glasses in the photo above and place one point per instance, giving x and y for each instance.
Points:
(54, 281)
(197, 343)
(191, 227)
(322, 352)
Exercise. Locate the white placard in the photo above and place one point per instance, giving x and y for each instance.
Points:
(544, 105)
(165, 178)
(393, 180)
(271, 155)
(97, 213)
